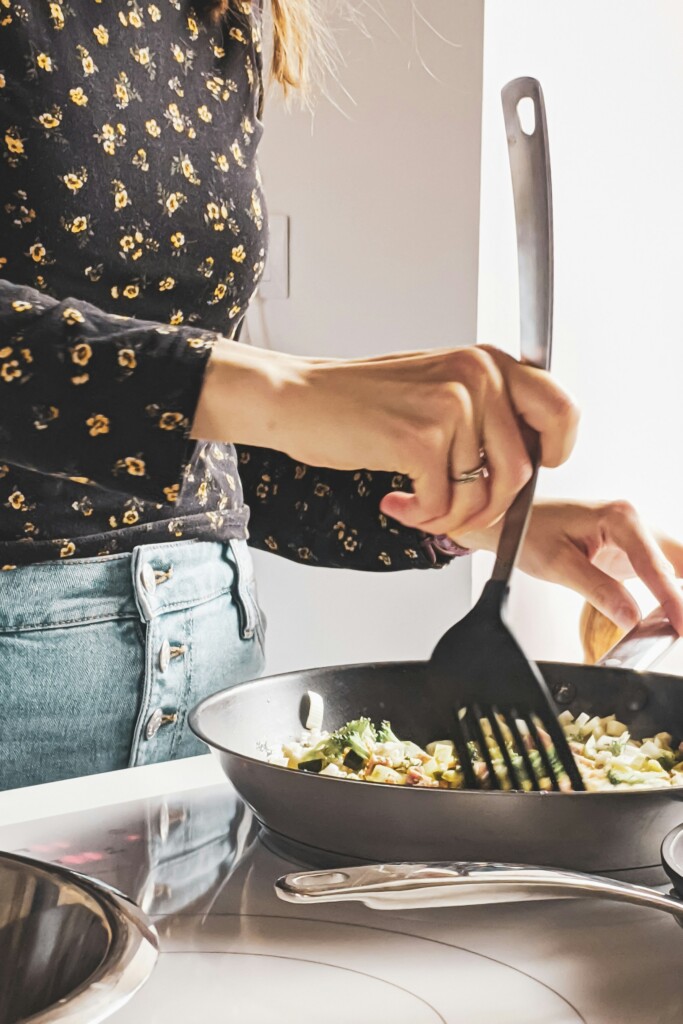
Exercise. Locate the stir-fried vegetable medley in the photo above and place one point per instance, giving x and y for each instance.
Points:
(607, 756)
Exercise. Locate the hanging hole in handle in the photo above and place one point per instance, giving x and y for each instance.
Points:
(526, 112)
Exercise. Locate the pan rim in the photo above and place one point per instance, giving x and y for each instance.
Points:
(251, 684)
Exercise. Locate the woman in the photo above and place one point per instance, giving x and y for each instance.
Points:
(132, 237)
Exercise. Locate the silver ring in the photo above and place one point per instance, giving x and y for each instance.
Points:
(473, 474)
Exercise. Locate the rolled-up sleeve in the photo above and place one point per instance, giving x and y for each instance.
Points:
(90, 395)
(331, 518)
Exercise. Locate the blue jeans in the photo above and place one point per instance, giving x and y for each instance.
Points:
(102, 659)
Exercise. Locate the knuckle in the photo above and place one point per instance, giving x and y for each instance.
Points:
(622, 512)
(479, 363)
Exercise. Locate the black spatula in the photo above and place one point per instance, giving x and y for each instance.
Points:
(505, 726)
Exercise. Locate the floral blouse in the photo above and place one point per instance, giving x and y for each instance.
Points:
(132, 234)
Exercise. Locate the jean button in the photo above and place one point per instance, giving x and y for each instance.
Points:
(164, 656)
(148, 578)
(154, 723)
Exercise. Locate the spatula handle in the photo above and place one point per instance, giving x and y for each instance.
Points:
(527, 135)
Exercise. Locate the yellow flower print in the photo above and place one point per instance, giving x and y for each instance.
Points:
(206, 266)
(305, 554)
(16, 500)
(122, 97)
(101, 35)
(271, 543)
(127, 358)
(45, 415)
(142, 55)
(51, 118)
(218, 51)
(10, 371)
(133, 466)
(57, 15)
(187, 168)
(81, 354)
(134, 19)
(215, 85)
(205, 113)
(78, 97)
(197, 342)
(5, 352)
(130, 517)
(83, 378)
(113, 522)
(256, 210)
(3, 81)
(234, 311)
(67, 550)
(384, 557)
(172, 492)
(246, 126)
(178, 53)
(75, 180)
(178, 240)
(127, 243)
(219, 291)
(98, 423)
(212, 211)
(78, 225)
(237, 34)
(154, 12)
(121, 197)
(193, 28)
(166, 284)
(26, 355)
(173, 201)
(153, 128)
(171, 420)
(13, 142)
(131, 291)
(238, 254)
(44, 62)
(19, 306)
(221, 161)
(74, 316)
(87, 63)
(140, 160)
(37, 252)
(177, 317)
(237, 154)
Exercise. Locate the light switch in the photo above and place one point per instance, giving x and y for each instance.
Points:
(275, 281)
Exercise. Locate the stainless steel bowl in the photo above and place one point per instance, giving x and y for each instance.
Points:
(72, 950)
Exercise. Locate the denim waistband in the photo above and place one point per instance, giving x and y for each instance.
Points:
(130, 585)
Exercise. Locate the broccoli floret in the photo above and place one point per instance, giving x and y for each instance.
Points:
(385, 734)
(360, 735)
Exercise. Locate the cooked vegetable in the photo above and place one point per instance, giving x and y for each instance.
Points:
(607, 756)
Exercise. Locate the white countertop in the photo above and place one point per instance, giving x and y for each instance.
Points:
(176, 838)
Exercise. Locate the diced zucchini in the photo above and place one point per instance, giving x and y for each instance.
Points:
(380, 773)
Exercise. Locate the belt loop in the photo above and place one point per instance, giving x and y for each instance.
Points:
(244, 575)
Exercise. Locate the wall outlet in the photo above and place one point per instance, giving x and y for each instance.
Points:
(275, 281)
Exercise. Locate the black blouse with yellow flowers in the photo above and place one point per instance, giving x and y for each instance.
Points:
(132, 232)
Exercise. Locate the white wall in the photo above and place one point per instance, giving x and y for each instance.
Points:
(613, 81)
(384, 208)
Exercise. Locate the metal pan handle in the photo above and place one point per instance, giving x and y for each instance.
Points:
(408, 886)
(644, 645)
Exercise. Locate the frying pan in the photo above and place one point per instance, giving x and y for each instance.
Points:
(321, 821)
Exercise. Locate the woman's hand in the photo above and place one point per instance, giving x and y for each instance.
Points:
(592, 548)
(427, 415)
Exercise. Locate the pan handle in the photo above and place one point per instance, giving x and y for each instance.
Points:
(408, 886)
(644, 645)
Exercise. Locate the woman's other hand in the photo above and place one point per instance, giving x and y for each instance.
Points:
(427, 415)
(592, 547)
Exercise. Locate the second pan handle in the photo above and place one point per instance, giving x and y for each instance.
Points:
(644, 645)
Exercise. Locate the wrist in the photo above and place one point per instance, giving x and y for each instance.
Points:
(242, 400)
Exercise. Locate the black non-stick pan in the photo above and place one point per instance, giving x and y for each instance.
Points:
(321, 821)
